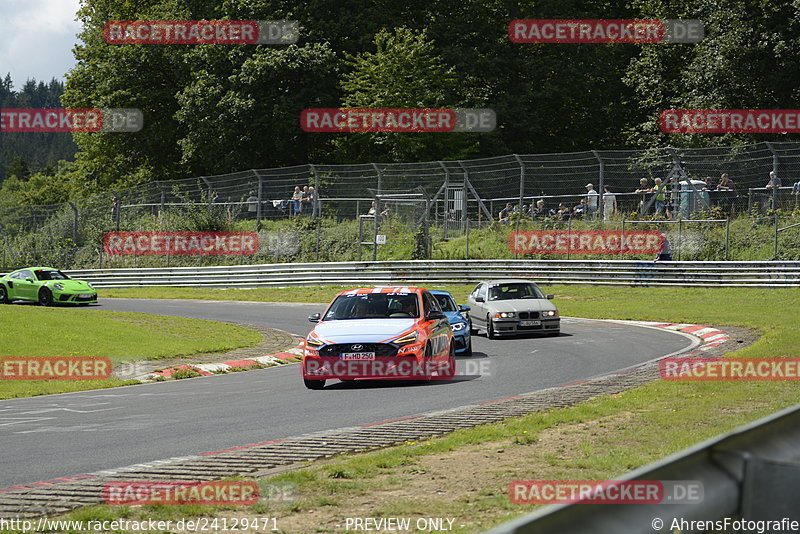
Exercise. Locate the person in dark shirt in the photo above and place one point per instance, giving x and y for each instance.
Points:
(505, 213)
(727, 193)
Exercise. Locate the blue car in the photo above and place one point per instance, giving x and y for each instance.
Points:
(459, 321)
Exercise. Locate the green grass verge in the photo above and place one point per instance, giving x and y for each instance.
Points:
(120, 336)
(598, 439)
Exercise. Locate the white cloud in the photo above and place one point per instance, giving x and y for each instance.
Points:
(36, 38)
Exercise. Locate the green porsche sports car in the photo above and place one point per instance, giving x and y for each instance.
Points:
(46, 286)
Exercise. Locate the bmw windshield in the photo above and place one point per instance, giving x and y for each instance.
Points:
(519, 290)
(373, 306)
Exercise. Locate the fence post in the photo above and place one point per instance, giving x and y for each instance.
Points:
(446, 198)
(210, 192)
(521, 193)
(727, 236)
(316, 206)
(600, 185)
(466, 245)
(259, 213)
(117, 211)
(776, 236)
(318, 238)
(74, 223)
(680, 237)
(569, 233)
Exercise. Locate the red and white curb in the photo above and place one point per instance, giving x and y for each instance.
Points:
(710, 336)
(293, 355)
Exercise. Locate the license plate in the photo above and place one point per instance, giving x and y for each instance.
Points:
(530, 323)
(85, 295)
(358, 356)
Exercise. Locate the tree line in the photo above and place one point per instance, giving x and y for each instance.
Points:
(213, 109)
(22, 154)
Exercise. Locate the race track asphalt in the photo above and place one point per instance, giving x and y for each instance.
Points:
(61, 435)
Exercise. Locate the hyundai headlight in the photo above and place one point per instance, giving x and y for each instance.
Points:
(405, 339)
(314, 341)
(457, 327)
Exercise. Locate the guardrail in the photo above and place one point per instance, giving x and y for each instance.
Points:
(596, 272)
(752, 472)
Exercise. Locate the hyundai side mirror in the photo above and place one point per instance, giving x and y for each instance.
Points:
(314, 318)
(463, 308)
(550, 297)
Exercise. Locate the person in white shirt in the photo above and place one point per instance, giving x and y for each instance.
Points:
(609, 203)
(592, 199)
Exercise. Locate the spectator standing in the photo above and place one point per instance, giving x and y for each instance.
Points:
(304, 201)
(660, 189)
(773, 188)
(643, 190)
(252, 205)
(592, 200)
(373, 209)
(727, 192)
(297, 198)
(609, 203)
(312, 199)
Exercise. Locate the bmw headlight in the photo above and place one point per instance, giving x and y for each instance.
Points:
(457, 327)
(58, 286)
(405, 339)
(550, 313)
(504, 315)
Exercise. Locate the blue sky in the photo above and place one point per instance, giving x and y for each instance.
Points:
(37, 38)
